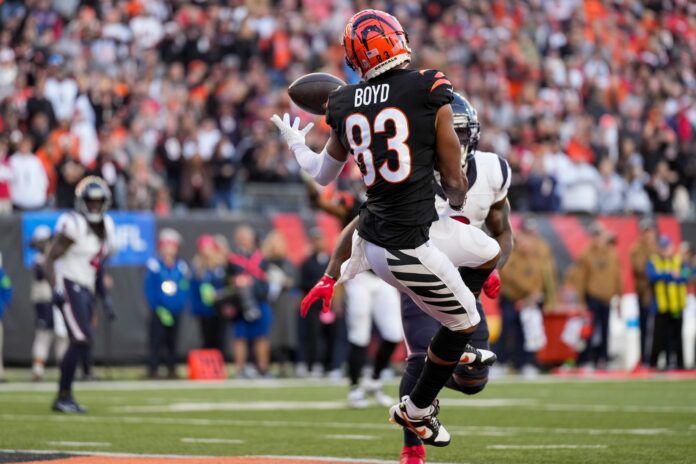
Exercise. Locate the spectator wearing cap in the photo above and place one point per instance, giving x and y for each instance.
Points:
(208, 278)
(29, 181)
(167, 286)
(669, 275)
(640, 253)
(5, 298)
(600, 280)
(247, 275)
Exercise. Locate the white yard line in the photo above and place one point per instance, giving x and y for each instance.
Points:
(350, 437)
(200, 406)
(130, 385)
(79, 444)
(544, 447)
(615, 408)
(457, 430)
(190, 421)
(234, 406)
(212, 441)
(502, 431)
(136, 385)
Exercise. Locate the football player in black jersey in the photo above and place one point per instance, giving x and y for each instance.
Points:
(398, 125)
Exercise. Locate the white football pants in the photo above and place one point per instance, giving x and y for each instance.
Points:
(370, 298)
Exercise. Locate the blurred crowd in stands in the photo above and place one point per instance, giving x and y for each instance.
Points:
(592, 102)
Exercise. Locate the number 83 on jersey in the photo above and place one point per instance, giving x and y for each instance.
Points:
(362, 145)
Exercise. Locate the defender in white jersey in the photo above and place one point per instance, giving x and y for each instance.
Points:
(83, 239)
(458, 234)
(487, 204)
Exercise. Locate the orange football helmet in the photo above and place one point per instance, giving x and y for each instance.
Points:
(374, 43)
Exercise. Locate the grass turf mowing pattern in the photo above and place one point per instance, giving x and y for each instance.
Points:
(538, 422)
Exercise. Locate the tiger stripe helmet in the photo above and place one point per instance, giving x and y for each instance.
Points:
(375, 42)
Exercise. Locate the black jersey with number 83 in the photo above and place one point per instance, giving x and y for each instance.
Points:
(388, 125)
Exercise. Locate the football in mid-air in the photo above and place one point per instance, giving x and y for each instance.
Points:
(310, 92)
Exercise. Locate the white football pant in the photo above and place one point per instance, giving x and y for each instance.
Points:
(369, 298)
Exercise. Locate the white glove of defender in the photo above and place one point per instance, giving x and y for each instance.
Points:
(293, 135)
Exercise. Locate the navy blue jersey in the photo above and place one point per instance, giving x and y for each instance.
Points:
(388, 125)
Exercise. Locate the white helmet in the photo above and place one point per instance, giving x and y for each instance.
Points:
(92, 198)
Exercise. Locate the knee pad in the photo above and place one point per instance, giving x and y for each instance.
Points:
(468, 381)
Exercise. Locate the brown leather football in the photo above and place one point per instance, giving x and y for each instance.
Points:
(310, 92)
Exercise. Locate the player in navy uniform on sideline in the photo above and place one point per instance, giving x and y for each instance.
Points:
(83, 239)
(398, 125)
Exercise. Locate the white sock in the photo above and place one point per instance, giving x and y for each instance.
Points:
(38, 368)
(414, 412)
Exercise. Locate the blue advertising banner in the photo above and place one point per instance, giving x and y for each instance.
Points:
(135, 236)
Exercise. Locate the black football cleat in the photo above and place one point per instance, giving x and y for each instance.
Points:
(68, 406)
(428, 428)
(476, 357)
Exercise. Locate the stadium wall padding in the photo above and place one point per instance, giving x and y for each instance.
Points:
(128, 340)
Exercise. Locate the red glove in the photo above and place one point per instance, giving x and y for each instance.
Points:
(322, 290)
(491, 287)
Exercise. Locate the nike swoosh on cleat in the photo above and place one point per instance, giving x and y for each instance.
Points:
(414, 429)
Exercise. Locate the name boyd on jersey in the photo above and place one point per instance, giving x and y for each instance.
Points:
(371, 94)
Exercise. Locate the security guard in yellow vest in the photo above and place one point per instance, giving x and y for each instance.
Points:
(669, 276)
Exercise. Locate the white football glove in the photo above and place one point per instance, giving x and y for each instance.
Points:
(293, 135)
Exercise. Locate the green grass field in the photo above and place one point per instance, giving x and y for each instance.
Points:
(545, 421)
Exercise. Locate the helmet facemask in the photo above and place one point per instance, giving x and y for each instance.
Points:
(468, 132)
